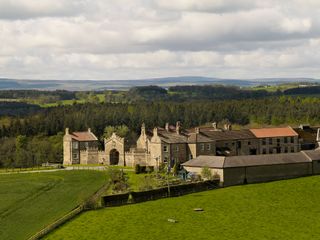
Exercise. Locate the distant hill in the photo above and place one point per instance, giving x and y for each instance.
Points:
(85, 85)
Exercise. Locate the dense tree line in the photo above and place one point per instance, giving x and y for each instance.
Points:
(274, 110)
(18, 109)
(28, 94)
(36, 136)
(22, 151)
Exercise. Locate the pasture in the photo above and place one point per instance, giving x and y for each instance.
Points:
(278, 210)
(31, 201)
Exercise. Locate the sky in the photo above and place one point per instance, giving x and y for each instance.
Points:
(135, 39)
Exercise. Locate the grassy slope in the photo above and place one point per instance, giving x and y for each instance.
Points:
(278, 210)
(29, 202)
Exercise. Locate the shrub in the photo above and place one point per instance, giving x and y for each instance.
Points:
(137, 169)
(206, 173)
(149, 169)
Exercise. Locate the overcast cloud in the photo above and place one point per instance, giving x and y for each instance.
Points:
(131, 39)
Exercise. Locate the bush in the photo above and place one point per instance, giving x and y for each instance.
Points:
(206, 173)
(143, 169)
(149, 169)
(137, 169)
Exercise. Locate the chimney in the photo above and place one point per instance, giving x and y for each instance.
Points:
(89, 130)
(178, 127)
(67, 131)
(214, 125)
(155, 132)
(225, 126)
(167, 127)
(197, 130)
(143, 129)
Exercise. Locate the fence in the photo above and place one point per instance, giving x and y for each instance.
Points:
(175, 191)
(57, 223)
(72, 214)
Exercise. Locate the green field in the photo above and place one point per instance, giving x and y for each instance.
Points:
(278, 210)
(30, 201)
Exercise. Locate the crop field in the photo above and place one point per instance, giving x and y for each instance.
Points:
(287, 209)
(30, 201)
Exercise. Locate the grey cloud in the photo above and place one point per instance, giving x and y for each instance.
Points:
(120, 39)
(25, 9)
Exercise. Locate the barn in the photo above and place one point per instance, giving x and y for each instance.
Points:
(236, 170)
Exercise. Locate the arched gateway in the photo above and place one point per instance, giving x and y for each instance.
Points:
(114, 149)
(114, 157)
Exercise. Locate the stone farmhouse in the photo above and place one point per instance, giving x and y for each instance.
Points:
(173, 144)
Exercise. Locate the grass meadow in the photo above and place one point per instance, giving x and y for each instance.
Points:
(287, 209)
(30, 201)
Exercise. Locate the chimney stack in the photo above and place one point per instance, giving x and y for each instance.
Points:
(155, 131)
(67, 131)
(178, 127)
(197, 130)
(167, 127)
(89, 130)
(143, 129)
(214, 125)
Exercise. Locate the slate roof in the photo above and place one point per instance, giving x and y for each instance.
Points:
(227, 134)
(265, 159)
(205, 161)
(314, 155)
(171, 136)
(83, 136)
(308, 135)
(195, 137)
(253, 160)
(274, 132)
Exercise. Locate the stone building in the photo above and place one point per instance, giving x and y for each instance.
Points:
(173, 144)
(235, 170)
(81, 148)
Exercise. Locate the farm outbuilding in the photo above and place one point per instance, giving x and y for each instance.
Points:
(236, 170)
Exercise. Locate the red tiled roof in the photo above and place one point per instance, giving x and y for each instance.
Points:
(274, 132)
(83, 136)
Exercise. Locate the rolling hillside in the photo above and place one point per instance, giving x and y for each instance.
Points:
(277, 210)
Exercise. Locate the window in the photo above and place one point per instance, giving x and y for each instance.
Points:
(75, 155)
(165, 148)
(249, 143)
(165, 159)
(227, 144)
(285, 149)
(75, 145)
(177, 148)
(292, 139)
(264, 151)
(278, 140)
(239, 144)
(263, 141)
(285, 140)
(270, 150)
(202, 146)
(292, 149)
(208, 147)
(190, 156)
(270, 141)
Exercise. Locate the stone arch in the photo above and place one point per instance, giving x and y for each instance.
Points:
(112, 145)
(114, 157)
